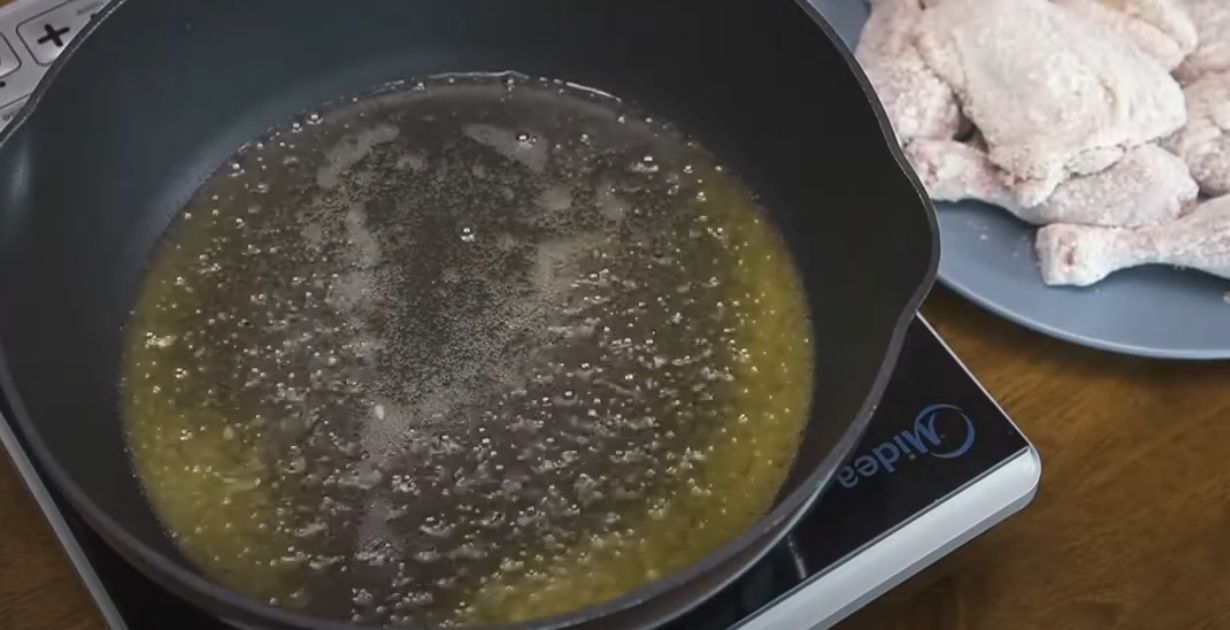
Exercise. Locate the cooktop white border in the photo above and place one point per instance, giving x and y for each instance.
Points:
(76, 555)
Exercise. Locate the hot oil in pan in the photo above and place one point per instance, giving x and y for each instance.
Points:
(472, 350)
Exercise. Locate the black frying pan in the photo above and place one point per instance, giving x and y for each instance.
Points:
(160, 92)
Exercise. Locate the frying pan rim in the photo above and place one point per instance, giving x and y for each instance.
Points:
(158, 565)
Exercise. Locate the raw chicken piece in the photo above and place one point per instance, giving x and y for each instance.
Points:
(954, 171)
(1149, 185)
(1083, 255)
(917, 102)
(1212, 18)
(1161, 28)
(1205, 142)
(1052, 94)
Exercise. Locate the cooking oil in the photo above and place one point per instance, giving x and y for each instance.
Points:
(471, 349)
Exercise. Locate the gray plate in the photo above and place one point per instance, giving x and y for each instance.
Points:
(988, 257)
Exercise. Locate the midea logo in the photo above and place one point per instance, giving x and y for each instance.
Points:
(942, 431)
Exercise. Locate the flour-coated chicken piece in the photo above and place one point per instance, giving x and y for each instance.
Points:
(1079, 255)
(1161, 28)
(918, 103)
(1212, 54)
(1149, 185)
(1053, 95)
(1205, 142)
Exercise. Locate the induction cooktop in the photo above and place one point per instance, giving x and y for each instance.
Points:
(940, 464)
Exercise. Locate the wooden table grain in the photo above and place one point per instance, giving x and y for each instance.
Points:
(1130, 528)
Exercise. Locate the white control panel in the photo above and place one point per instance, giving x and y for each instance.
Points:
(33, 33)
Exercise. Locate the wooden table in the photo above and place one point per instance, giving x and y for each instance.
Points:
(1130, 528)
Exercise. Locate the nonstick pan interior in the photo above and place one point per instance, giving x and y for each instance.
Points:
(163, 91)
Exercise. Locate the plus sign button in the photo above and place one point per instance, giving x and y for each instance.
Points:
(49, 33)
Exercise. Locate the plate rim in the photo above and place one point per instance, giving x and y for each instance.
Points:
(1118, 347)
